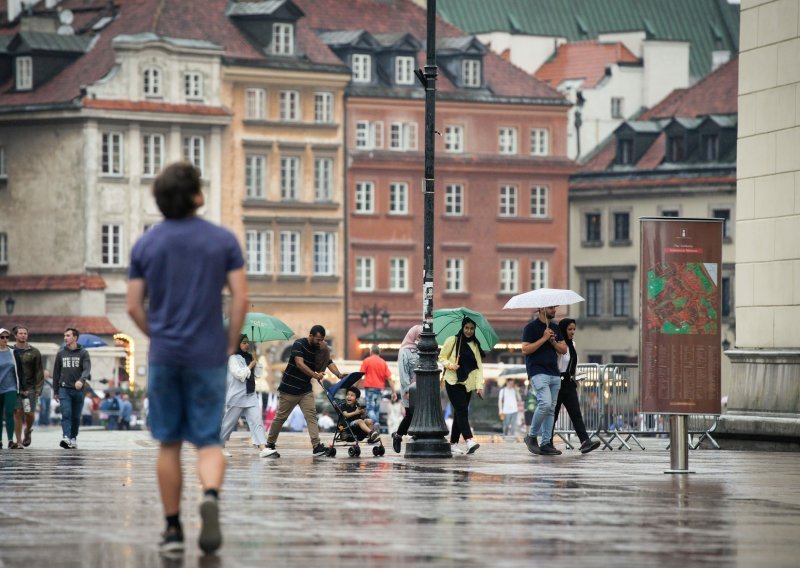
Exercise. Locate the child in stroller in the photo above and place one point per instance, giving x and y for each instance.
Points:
(353, 427)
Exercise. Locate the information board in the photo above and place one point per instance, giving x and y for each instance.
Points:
(679, 344)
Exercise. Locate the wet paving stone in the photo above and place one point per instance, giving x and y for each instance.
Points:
(99, 506)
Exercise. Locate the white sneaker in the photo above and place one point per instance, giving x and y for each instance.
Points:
(226, 453)
(73, 443)
(472, 445)
(456, 450)
(269, 453)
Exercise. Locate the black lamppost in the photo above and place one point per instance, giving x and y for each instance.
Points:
(375, 311)
(10, 301)
(427, 426)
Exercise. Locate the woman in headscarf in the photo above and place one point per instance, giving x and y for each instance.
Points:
(407, 361)
(568, 393)
(241, 396)
(461, 356)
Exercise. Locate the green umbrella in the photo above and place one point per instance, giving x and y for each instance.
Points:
(447, 323)
(262, 327)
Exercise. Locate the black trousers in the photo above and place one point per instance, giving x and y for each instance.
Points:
(568, 396)
(402, 430)
(459, 399)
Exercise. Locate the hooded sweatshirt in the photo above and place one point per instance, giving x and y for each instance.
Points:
(71, 366)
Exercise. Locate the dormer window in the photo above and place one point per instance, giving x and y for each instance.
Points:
(193, 86)
(471, 72)
(152, 82)
(283, 39)
(676, 150)
(404, 70)
(24, 77)
(362, 68)
(625, 151)
(710, 147)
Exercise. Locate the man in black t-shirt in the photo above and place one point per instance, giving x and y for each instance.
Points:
(295, 388)
(542, 344)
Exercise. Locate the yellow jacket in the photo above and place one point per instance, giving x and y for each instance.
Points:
(447, 357)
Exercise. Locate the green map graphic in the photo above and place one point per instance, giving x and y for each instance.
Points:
(682, 298)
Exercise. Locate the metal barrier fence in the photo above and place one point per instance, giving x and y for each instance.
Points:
(610, 403)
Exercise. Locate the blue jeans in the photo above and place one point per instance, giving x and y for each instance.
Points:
(373, 399)
(71, 406)
(546, 387)
(44, 411)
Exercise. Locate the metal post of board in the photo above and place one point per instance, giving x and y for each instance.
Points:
(678, 444)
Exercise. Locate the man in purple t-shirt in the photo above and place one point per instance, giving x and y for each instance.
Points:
(182, 265)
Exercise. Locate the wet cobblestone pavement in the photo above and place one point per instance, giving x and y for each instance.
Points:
(98, 506)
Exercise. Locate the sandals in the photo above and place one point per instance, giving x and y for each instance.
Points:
(26, 440)
(14, 446)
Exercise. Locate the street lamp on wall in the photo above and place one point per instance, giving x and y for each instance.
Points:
(10, 302)
(375, 312)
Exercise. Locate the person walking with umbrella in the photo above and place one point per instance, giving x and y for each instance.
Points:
(461, 356)
(542, 343)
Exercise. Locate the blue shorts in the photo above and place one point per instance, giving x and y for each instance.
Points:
(186, 403)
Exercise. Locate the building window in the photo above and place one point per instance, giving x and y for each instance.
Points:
(622, 227)
(404, 70)
(454, 199)
(398, 274)
(369, 135)
(290, 106)
(616, 107)
(3, 172)
(403, 136)
(725, 215)
(282, 39)
(471, 72)
(362, 68)
(669, 212)
(454, 139)
(194, 151)
(508, 201)
(454, 275)
(539, 274)
(152, 154)
(625, 152)
(24, 73)
(290, 252)
(290, 178)
(675, 149)
(258, 249)
(509, 276)
(255, 176)
(398, 198)
(539, 201)
(193, 85)
(111, 162)
(622, 298)
(111, 245)
(323, 108)
(3, 249)
(508, 141)
(255, 106)
(540, 142)
(593, 228)
(324, 254)
(365, 273)
(365, 197)
(152, 82)
(323, 179)
(710, 147)
(727, 305)
(594, 298)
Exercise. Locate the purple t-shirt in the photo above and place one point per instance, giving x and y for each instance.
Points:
(185, 264)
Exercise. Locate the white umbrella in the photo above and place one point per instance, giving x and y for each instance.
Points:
(543, 298)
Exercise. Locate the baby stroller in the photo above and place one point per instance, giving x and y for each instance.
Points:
(344, 435)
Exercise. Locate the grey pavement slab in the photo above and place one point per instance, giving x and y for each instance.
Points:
(99, 506)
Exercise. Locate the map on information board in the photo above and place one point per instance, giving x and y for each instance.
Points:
(682, 298)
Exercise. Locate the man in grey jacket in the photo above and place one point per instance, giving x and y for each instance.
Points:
(71, 374)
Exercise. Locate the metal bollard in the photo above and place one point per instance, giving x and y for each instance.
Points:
(678, 444)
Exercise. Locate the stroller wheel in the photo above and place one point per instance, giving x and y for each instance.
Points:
(357, 450)
(376, 451)
(332, 452)
(351, 451)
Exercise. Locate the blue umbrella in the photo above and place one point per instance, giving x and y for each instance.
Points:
(89, 340)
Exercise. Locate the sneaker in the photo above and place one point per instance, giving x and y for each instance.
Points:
(73, 443)
(397, 443)
(549, 450)
(320, 450)
(472, 446)
(533, 445)
(268, 452)
(589, 446)
(171, 541)
(210, 534)
(374, 436)
(64, 443)
(455, 450)
(226, 453)
(26, 439)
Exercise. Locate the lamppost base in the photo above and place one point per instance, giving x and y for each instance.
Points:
(428, 448)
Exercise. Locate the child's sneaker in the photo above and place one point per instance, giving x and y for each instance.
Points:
(210, 534)
(171, 541)
(374, 436)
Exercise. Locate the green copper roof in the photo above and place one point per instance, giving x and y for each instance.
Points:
(706, 24)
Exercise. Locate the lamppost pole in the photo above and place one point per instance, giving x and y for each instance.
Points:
(427, 425)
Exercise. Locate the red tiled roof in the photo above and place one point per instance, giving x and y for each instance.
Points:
(150, 106)
(583, 60)
(49, 325)
(46, 282)
(716, 93)
(652, 182)
(602, 158)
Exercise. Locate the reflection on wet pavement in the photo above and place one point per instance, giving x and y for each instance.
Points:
(98, 506)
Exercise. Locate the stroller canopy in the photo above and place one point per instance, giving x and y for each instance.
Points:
(346, 382)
